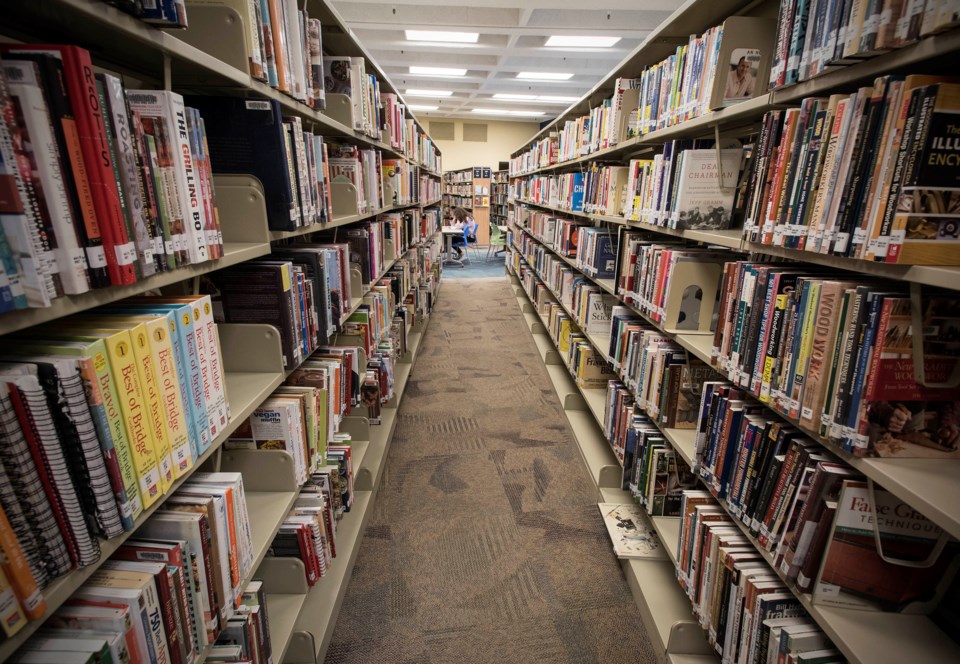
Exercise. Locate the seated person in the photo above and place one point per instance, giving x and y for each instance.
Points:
(463, 219)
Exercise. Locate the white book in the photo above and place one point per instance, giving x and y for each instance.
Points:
(630, 532)
(168, 106)
(69, 258)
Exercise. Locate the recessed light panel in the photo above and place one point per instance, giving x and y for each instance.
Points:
(428, 93)
(445, 72)
(441, 36)
(497, 111)
(543, 76)
(421, 107)
(572, 41)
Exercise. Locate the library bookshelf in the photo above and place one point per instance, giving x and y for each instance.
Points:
(470, 188)
(301, 619)
(930, 486)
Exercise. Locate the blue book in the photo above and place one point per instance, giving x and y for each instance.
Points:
(606, 257)
(576, 202)
(188, 373)
(246, 136)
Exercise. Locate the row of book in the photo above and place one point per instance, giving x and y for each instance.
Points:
(839, 356)
(309, 531)
(303, 416)
(817, 36)
(587, 367)
(652, 471)
(78, 216)
(684, 187)
(833, 354)
(749, 461)
(748, 613)
(102, 413)
(887, 147)
(165, 596)
(787, 493)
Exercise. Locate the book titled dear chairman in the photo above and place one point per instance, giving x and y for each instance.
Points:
(630, 531)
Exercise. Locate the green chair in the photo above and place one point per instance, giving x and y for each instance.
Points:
(498, 241)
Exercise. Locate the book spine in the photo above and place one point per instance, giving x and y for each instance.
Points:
(105, 414)
(133, 406)
(175, 411)
(131, 176)
(14, 566)
(81, 85)
(216, 395)
(147, 373)
(187, 179)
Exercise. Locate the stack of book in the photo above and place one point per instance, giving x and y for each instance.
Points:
(108, 409)
(596, 252)
(348, 76)
(168, 595)
(887, 147)
(253, 138)
(303, 291)
(813, 37)
(690, 185)
(605, 189)
(736, 597)
(78, 217)
(670, 283)
(308, 533)
(838, 357)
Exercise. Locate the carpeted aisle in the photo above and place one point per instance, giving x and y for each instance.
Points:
(485, 544)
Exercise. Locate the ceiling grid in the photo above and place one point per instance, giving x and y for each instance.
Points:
(496, 55)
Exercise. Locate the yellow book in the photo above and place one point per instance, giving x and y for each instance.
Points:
(133, 406)
(149, 385)
(174, 412)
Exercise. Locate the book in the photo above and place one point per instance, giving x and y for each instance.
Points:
(630, 532)
(882, 555)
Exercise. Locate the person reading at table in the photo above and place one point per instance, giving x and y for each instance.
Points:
(463, 219)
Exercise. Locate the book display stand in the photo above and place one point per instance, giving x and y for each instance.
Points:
(928, 485)
(210, 57)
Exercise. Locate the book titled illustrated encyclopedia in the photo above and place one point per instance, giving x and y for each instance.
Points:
(630, 531)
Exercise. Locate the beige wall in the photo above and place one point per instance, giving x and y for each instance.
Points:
(502, 139)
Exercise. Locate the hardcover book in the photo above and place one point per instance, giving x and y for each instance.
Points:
(883, 555)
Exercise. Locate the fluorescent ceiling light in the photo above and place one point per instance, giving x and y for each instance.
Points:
(437, 71)
(497, 111)
(441, 36)
(581, 42)
(429, 93)
(421, 107)
(536, 99)
(543, 76)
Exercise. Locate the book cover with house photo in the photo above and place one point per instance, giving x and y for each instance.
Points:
(703, 201)
(630, 532)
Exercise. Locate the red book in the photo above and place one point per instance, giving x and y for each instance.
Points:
(82, 89)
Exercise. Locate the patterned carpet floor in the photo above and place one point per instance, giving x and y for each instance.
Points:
(485, 544)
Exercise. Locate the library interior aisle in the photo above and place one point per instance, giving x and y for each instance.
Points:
(485, 544)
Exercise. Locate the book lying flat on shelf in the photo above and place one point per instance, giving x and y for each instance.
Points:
(630, 531)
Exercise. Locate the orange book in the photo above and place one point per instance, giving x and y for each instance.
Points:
(15, 567)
